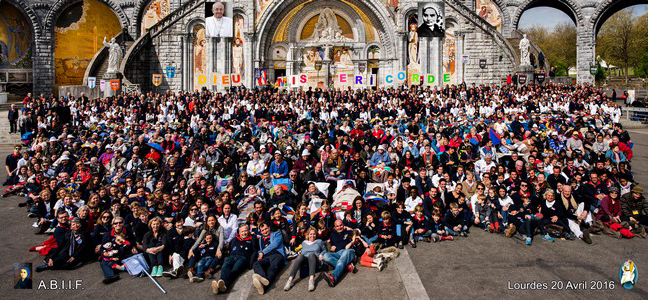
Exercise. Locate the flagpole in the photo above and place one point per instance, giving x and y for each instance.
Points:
(154, 281)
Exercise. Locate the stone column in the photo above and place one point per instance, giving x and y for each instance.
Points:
(43, 61)
(185, 68)
(585, 52)
(431, 57)
(459, 51)
(221, 58)
(402, 44)
(248, 57)
(291, 60)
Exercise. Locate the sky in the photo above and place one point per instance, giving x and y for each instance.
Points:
(550, 17)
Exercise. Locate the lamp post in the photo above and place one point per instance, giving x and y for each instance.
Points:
(333, 72)
(318, 67)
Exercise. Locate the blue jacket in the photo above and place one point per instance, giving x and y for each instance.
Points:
(276, 243)
(282, 169)
(376, 159)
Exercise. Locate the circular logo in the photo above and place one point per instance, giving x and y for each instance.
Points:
(628, 274)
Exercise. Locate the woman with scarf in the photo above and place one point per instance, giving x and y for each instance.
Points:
(73, 251)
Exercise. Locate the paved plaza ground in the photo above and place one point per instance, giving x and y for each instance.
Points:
(478, 267)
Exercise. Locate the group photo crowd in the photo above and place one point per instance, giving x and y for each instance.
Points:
(207, 185)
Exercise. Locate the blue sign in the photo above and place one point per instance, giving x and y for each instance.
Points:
(170, 71)
(92, 82)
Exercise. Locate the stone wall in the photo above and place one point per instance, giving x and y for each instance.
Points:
(477, 41)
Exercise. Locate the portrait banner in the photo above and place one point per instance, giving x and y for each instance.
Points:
(431, 21)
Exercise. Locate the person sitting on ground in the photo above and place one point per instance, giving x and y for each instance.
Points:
(74, 249)
(340, 257)
(242, 249)
(272, 257)
(311, 253)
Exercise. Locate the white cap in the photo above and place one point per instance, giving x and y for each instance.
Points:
(65, 157)
(381, 147)
(262, 147)
(70, 136)
(289, 148)
(53, 139)
(305, 153)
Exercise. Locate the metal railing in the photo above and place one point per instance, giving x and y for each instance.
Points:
(638, 114)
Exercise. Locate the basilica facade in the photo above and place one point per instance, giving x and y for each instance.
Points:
(57, 46)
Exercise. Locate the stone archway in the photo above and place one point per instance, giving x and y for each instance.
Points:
(20, 46)
(606, 9)
(60, 5)
(569, 7)
(30, 14)
(79, 31)
(368, 21)
(269, 22)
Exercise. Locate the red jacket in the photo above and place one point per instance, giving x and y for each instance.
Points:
(625, 149)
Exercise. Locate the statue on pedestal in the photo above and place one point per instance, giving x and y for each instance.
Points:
(114, 56)
(525, 59)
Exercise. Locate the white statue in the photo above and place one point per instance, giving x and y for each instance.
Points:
(524, 51)
(114, 55)
(327, 28)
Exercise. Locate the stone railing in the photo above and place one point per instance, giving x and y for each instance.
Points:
(100, 56)
(8, 76)
(174, 16)
(500, 40)
(141, 43)
(155, 30)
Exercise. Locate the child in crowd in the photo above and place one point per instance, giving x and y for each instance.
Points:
(482, 212)
(386, 231)
(420, 227)
(112, 254)
(438, 228)
(207, 253)
(368, 258)
(454, 222)
(369, 228)
(403, 221)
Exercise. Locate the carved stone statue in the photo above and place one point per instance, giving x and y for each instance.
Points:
(114, 56)
(327, 28)
(524, 51)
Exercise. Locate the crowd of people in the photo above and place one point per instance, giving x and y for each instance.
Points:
(254, 178)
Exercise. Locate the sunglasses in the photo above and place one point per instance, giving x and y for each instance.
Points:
(481, 189)
(116, 223)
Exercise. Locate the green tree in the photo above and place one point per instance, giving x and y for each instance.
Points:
(642, 67)
(618, 41)
(559, 45)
